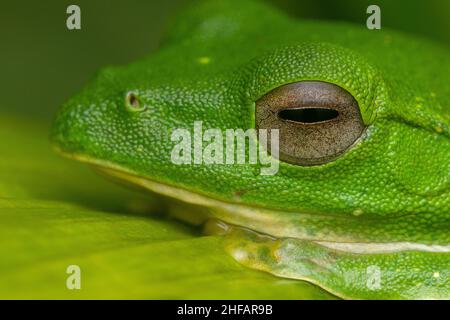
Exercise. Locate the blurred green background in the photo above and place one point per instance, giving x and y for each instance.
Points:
(43, 63)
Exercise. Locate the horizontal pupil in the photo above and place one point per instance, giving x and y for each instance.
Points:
(308, 115)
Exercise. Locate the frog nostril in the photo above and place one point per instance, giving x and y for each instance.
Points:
(133, 103)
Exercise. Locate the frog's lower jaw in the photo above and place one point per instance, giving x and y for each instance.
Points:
(338, 262)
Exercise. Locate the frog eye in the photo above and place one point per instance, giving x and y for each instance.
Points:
(317, 121)
(133, 103)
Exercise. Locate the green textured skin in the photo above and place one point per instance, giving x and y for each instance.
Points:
(216, 61)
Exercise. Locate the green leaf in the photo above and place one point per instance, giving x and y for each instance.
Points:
(55, 213)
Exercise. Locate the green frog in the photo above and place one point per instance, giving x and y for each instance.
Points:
(358, 202)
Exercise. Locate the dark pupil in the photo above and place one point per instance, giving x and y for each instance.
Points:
(308, 115)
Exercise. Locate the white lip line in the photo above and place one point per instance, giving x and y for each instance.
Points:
(197, 199)
(166, 189)
(374, 247)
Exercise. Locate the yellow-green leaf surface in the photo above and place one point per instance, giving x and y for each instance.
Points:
(55, 213)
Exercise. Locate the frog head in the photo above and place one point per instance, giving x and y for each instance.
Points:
(362, 117)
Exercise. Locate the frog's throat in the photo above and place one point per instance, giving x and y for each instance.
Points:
(253, 218)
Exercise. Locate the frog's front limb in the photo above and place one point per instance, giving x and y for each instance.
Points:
(400, 274)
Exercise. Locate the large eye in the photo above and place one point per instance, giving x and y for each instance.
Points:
(317, 121)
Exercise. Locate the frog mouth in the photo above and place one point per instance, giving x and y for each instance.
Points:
(271, 222)
(200, 200)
